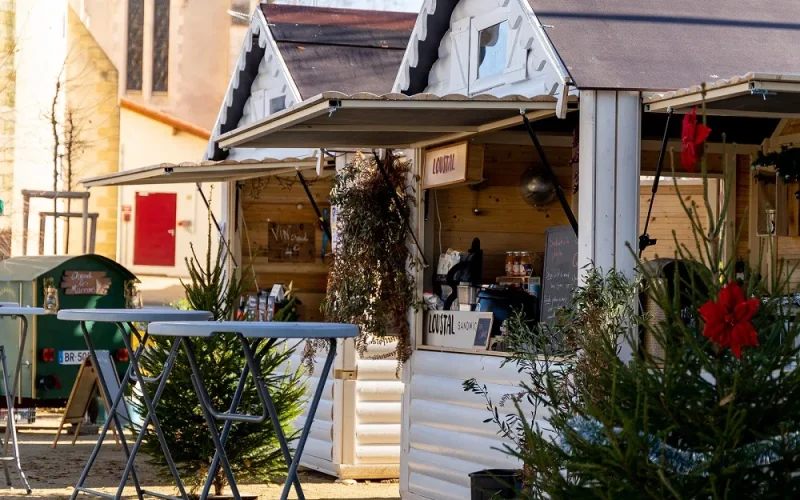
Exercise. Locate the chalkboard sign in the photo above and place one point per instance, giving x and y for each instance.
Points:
(560, 276)
(86, 384)
(291, 242)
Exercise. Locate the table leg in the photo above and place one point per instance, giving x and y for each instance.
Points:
(151, 413)
(13, 392)
(312, 410)
(112, 416)
(276, 424)
(168, 365)
(11, 428)
(226, 428)
(197, 381)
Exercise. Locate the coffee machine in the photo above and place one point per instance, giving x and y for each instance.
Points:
(465, 279)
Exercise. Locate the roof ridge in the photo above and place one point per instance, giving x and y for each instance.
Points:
(337, 44)
(165, 118)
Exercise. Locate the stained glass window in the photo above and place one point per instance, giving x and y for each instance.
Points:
(135, 44)
(161, 45)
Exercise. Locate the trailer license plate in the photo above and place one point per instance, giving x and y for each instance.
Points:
(72, 357)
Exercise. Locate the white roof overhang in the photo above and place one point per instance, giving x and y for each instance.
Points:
(207, 171)
(756, 95)
(334, 120)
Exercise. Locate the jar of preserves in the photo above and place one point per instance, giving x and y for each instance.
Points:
(526, 264)
(509, 263)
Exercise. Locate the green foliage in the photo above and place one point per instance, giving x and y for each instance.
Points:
(370, 284)
(686, 420)
(253, 449)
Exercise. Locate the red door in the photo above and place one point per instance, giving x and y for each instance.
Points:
(154, 231)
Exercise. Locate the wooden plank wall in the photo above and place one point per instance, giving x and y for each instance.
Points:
(507, 223)
(669, 215)
(283, 200)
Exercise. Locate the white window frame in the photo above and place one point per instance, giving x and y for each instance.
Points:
(477, 85)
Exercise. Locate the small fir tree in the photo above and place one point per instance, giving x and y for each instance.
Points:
(253, 449)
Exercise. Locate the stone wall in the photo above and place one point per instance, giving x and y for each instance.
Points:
(91, 83)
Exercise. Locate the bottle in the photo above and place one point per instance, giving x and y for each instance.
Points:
(509, 263)
(516, 270)
(526, 264)
(240, 311)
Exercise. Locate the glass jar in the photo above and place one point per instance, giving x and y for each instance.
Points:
(516, 269)
(509, 263)
(526, 264)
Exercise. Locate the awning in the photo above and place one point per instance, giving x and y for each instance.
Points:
(334, 120)
(757, 95)
(207, 171)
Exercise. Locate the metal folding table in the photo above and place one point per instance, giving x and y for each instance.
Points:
(126, 318)
(12, 310)
(264, 337)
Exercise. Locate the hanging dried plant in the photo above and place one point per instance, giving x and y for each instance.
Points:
(371, 283)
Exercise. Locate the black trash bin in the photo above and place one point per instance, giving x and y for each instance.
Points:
(495, 484)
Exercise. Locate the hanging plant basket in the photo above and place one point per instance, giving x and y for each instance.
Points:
(371, 282)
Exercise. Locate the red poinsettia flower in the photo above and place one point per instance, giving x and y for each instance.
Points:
(728, 320)
(692, 138)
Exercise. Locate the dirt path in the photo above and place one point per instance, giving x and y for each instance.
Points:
(53, 472)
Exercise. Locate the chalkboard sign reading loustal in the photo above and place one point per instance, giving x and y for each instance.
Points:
(560, 276)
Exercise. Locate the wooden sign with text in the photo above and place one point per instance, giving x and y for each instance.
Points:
(291, 242)
(453, 165)
(85, 283)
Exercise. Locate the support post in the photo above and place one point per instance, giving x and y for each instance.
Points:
(610, 161)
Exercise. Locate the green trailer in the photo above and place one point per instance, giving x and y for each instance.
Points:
(55, 349)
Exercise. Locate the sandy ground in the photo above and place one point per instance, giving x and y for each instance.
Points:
(53, 472)
(160, 290)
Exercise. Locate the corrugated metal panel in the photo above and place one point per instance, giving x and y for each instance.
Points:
(377, 454)
(378, 434)
(319, 450)
(374, 429)
(378, 407)
(448, 438)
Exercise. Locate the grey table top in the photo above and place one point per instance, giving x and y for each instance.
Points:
(21, 311)
(144, 315)
(256, 330)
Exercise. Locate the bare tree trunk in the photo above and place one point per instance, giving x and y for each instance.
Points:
(56, 142)
(70, 143)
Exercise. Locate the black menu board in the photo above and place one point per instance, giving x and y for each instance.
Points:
(560, 275)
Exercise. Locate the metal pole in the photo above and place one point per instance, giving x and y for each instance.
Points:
(399, 204)
(85, 222)
(562, 198)
(323, 224)
(216, 224)
(645, 240)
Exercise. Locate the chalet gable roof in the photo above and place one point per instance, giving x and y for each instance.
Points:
(317, 50)
(648, 45)
(658, 45)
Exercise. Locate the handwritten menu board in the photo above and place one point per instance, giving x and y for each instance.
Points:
(291, 242)
(85, 283)
(560, 274)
